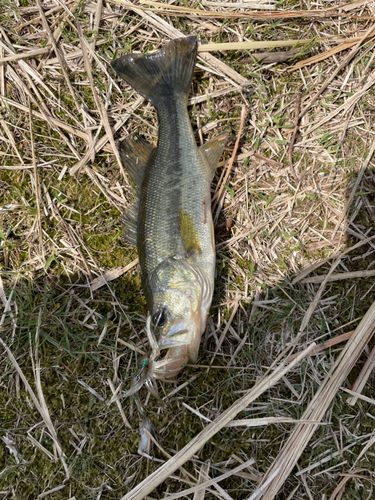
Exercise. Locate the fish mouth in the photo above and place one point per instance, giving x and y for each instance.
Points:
(158, 368)
(181, 341)
(171, 364)
(143, 378)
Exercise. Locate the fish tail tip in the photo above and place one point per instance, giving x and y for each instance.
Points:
(158, 75)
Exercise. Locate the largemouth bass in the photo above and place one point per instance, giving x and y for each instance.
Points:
(171, 222)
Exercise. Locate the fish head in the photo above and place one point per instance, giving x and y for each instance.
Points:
(181, 296)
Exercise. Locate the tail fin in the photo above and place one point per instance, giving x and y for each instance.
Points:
(159, 75)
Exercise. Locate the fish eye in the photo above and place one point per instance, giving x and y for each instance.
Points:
(159, 318)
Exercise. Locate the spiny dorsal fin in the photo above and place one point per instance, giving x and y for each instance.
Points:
(135, 154)
(129, 221)
(212, 150)
(188, 232)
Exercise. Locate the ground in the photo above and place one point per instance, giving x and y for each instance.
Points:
(297, 202)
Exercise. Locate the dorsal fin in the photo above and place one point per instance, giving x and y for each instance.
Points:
(129, 221)
(135, 154)
(212, 150)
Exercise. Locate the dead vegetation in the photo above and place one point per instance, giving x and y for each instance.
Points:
(280, 404)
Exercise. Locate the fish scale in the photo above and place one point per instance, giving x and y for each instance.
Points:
(175, 181)
(172, 216)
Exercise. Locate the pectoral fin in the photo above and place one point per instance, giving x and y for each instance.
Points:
(188, 232)
(212, 150)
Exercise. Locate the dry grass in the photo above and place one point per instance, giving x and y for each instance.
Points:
(288, 346)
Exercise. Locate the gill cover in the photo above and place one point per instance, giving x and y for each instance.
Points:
(182, 291)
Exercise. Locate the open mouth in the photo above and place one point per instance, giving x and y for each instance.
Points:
(158, 367)
(143, 378)
(171, 364)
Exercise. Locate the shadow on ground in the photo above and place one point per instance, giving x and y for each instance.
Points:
(100, 451)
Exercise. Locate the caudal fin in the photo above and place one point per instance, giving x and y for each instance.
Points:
(160, 75)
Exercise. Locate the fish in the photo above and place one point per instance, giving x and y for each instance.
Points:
(170, 222)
